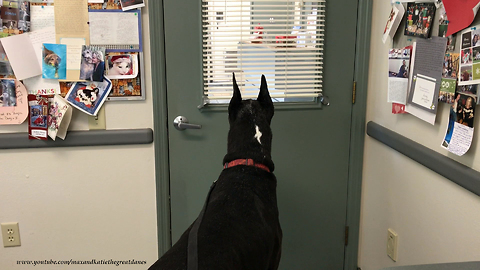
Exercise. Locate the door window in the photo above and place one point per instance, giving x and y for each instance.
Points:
(278, 38)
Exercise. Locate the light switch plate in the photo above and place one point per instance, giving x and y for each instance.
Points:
(10, 234)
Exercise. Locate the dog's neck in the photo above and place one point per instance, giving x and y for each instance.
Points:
(250, 141)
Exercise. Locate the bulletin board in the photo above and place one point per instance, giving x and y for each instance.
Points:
(88, 53)
(457, 90)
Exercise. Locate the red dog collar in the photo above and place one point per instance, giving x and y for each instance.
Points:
(248, 162)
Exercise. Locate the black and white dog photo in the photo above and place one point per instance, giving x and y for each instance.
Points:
(238, 228)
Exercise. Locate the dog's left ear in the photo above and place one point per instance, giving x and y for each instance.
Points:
(264, 96)
(235, 102)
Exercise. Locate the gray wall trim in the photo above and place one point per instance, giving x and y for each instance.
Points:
(357, 140)
(443, 165)
(80, 138)
(159, 95)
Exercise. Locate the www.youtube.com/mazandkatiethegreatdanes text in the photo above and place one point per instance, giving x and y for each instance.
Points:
(80, 262)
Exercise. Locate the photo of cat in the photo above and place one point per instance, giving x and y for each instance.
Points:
(123, 66)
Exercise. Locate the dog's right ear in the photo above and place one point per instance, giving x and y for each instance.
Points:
(235, 102)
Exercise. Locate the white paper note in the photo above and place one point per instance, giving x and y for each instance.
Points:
(74, 52)
(22, 57)
(424, 91)
(42, 17)
(112, 28)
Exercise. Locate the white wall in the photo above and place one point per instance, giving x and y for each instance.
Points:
(436, 220)
(84, 203)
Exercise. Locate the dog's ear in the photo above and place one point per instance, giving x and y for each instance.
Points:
(264, 96)
(235, 102)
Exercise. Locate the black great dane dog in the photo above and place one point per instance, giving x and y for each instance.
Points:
(238, 227)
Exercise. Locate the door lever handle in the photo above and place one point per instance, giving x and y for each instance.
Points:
(181, 123)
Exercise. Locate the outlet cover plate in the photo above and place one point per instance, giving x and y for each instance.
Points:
(392, 242)
(10, 234)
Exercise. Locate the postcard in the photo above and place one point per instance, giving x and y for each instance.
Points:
(426, 73)
(105, 4)
(37, 124)
(93, 63)
(124, 66)
(131, 4)
(459, 134)
(13, 102)
(89, 97)
(470, 56)
(54, 64)
(59, 116)
(398, 70)
(394, 19)
(449, 77)
(419, 19)
(22, 57)
(15, 18)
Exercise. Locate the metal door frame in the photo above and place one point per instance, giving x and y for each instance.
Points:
(161, 128)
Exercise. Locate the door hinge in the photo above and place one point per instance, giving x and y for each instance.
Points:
(354, 92)
(346, 235)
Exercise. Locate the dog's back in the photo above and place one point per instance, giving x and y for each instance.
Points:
(240, 228)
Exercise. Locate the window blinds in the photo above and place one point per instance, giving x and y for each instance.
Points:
(281, 39)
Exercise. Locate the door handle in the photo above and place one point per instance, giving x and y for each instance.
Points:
(181, 123)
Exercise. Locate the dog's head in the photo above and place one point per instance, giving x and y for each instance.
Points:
(250, 135)
(260, 110)
(52, 60)
(87, 55)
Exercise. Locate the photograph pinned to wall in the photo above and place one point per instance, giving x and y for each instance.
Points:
(465, 74)
(132, 4)
(92, 67)
(128, 89)
(8, 95)
(54, 65)
(398, 73)
(37, 124)
(105, 4)
(419, 19)
(459, 134)
(443, 27)
(65, 87)
(123, 66)
(470, 89)
(24, 16)
(449, 77)
(470, 56)
(5, 67)
(15, 17)
(13, 102)
(89, 97)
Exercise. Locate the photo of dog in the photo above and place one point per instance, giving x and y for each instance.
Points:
(238, 227)
(92, 66)
(53, 67)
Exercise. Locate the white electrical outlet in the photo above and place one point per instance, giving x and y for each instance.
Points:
(392, 242)
(10, 234)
